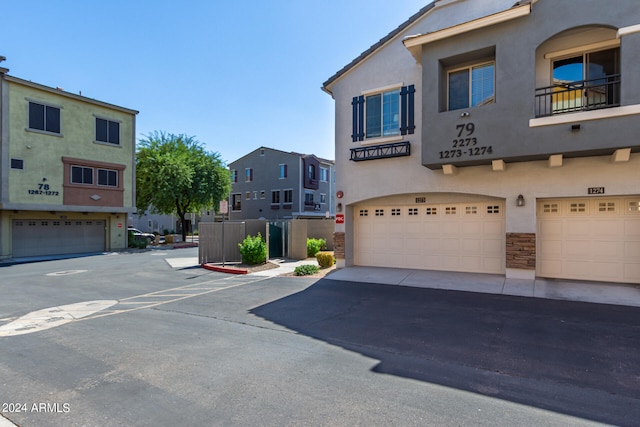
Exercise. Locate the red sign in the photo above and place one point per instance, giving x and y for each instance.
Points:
(339, 218)
(119, 225)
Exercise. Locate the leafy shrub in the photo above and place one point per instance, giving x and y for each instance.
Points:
(325, 259)
(253, 250)
(314, 246)
(137, 242)
(305, 270)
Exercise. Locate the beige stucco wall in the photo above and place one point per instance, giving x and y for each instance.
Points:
(403, 178)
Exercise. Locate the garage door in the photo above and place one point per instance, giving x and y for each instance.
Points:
(35, 237)
(589, 239)
(466, 237)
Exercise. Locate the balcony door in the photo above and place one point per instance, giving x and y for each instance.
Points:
(586, 81)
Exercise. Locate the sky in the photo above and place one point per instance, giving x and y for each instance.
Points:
(236, 75)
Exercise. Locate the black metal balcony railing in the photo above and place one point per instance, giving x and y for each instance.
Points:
(384, 151)
(582, 95)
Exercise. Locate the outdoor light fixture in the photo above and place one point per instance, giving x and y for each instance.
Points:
(520, 200)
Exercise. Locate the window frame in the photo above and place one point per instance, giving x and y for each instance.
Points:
(109, 173)
(289, 192)
(324, 174)
(275, 197)
(84, 175)
(45, 119)
(405, 114)
(382, 113)
(248, 174)
(109, 132)
(283, 171)
(236, 201)
(469, 68)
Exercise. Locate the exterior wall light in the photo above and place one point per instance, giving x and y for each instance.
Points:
(520, 201)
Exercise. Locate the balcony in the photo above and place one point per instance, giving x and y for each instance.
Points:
(582, 95)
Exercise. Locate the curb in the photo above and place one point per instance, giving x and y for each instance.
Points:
(221, 269)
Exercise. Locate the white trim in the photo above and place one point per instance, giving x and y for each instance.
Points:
(381, 140)
(382, 89)
(584, 48)
(625, 31)
(45, 103)
(496, 18)
(605, 113)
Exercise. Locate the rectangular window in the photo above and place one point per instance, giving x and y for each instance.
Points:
(323, 198)
(17, 164)
(247, 195)
(234, 175)
(586, 81)
(236, 202)
(383, 114)
(262, 194)
(81, 175)
(107, 131)
(471, 86)
(288, 196)
(283, 171)
(248, 175)
(324, 174)
(389, 112)
(44, 117)
(308, 199)
(108, 177)
(275, 197)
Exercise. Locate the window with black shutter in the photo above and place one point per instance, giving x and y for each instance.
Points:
(383, 114)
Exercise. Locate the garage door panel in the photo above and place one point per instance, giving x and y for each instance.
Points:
(449, 245)
(493, 247)
(592, 239)
(632, 272)
(471, 246)
(632, 228)
(552, 248)
(437, 237)
(577, 228)
(37, 237)
(472, 228)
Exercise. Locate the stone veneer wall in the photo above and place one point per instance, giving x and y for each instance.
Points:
(338, 245)
(521, 251)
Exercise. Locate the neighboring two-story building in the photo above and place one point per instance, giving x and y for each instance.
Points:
(274, 184)
(67, 171)
(495, 137)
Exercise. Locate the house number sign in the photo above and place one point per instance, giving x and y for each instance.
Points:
(595, 190)
(465, 144)
(44, 190)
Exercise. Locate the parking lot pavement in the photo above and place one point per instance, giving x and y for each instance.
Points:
(194, 347)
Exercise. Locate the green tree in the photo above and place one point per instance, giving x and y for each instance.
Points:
(175, 175)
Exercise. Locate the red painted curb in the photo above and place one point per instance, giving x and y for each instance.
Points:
(221, 269)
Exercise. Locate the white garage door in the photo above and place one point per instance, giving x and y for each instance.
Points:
(36, 237)
(466, 237)
(589, 239)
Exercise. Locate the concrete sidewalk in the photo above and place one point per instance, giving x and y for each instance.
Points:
(594, 292)
(568, 290)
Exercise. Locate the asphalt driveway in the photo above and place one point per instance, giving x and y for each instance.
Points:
(184, 346)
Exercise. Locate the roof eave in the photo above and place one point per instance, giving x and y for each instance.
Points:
(414, 43)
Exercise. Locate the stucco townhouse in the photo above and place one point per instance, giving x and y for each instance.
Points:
(274, 184)
(494, 137)
(67, 171)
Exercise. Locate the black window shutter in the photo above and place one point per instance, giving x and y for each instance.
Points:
(407, 124)
(357, 104)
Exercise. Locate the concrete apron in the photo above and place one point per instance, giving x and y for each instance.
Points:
(593, 292)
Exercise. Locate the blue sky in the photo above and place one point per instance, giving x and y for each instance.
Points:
(237, 74)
